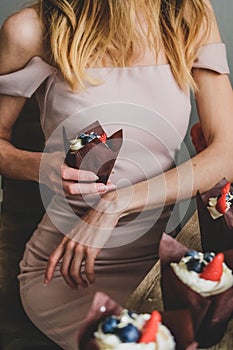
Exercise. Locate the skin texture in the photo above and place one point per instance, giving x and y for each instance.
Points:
(20, 40)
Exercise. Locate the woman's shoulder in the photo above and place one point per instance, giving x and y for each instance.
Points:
(21, 38)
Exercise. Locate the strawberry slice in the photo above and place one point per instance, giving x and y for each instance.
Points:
(150, 328)
(103, 138)
(221, 205)
(226, 188)
(213, 271)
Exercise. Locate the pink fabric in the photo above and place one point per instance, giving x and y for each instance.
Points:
(154, 114)
(213, 57)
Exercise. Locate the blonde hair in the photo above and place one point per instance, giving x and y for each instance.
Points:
(88, 33)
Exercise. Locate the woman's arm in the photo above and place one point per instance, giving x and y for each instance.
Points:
(19, 42)
(21, 38)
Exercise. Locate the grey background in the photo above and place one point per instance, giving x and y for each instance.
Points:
(224, 13)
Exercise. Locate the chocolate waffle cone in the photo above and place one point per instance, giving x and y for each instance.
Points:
(211, 314)
(95, 156)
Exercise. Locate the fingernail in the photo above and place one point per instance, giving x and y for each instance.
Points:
(96, 177)
(46, 282)
(102, 188)
(112, 187)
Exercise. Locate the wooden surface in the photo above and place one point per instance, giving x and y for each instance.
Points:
(147, 296)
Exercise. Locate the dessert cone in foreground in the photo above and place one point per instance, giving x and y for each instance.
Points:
(216, 234)
(178, 322)
(211, 314)
(95, 156)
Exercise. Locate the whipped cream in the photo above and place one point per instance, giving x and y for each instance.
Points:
(75, 144)
(202, 286)
(164, 339)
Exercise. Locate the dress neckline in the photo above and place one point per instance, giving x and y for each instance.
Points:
(165, 65)
(129, 68)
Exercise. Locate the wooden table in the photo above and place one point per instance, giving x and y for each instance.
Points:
(147, 296)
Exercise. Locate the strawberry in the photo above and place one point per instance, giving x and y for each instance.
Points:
(221, 205)
(226, 188)
(103, 138)
(150, 328)
(213, 271)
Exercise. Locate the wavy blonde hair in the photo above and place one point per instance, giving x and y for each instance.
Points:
(88, 33)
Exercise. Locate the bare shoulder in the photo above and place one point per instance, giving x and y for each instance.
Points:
(21, 38)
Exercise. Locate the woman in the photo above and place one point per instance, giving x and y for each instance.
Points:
(78, 54)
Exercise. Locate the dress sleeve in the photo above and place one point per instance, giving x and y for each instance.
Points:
(25, 81)
(213, 57)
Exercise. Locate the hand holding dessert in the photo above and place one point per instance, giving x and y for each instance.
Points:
(61, 178)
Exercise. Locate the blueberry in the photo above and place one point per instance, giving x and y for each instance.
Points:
(129, 334)
(110, 325)
(81, 136)
(195, 265)
(86, 139)
(93, 135)
(208, 257)
(192, 253)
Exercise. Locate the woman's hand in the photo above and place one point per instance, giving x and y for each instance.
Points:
(72, 255)
(60, 178)
(80, 248)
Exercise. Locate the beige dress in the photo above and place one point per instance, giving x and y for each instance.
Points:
(153, 112)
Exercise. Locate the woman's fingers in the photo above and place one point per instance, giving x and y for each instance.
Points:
(72, 254)
(86, 182)
(53, 261)
(69, 173)
(76, 265)
(59, 177)
(86, 188)
(91, 255)
(66, 263)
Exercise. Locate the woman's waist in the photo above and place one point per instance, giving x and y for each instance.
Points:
(63, 214)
